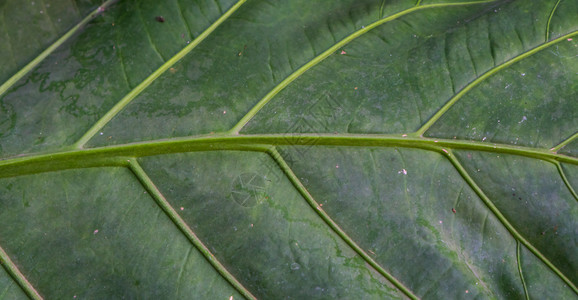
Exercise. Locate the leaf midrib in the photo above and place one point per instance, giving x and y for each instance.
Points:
(79, 158)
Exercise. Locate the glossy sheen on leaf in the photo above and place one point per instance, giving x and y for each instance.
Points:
(289, 149)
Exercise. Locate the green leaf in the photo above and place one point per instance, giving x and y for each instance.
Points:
(289, 149)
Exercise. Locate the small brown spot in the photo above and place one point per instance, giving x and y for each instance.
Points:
(453, 210)
(172, 70)
(241, 52)
(160, 19)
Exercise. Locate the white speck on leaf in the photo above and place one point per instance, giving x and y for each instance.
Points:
(404, 171)
(523, 119)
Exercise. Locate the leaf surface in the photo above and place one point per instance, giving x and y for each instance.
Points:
(297, 149)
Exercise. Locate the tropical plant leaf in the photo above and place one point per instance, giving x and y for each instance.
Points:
(289, 149)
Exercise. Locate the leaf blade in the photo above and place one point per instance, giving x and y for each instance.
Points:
(343, 196)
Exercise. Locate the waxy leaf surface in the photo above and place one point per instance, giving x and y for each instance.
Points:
(345, 149)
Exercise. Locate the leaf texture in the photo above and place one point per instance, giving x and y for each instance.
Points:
(289, 149)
